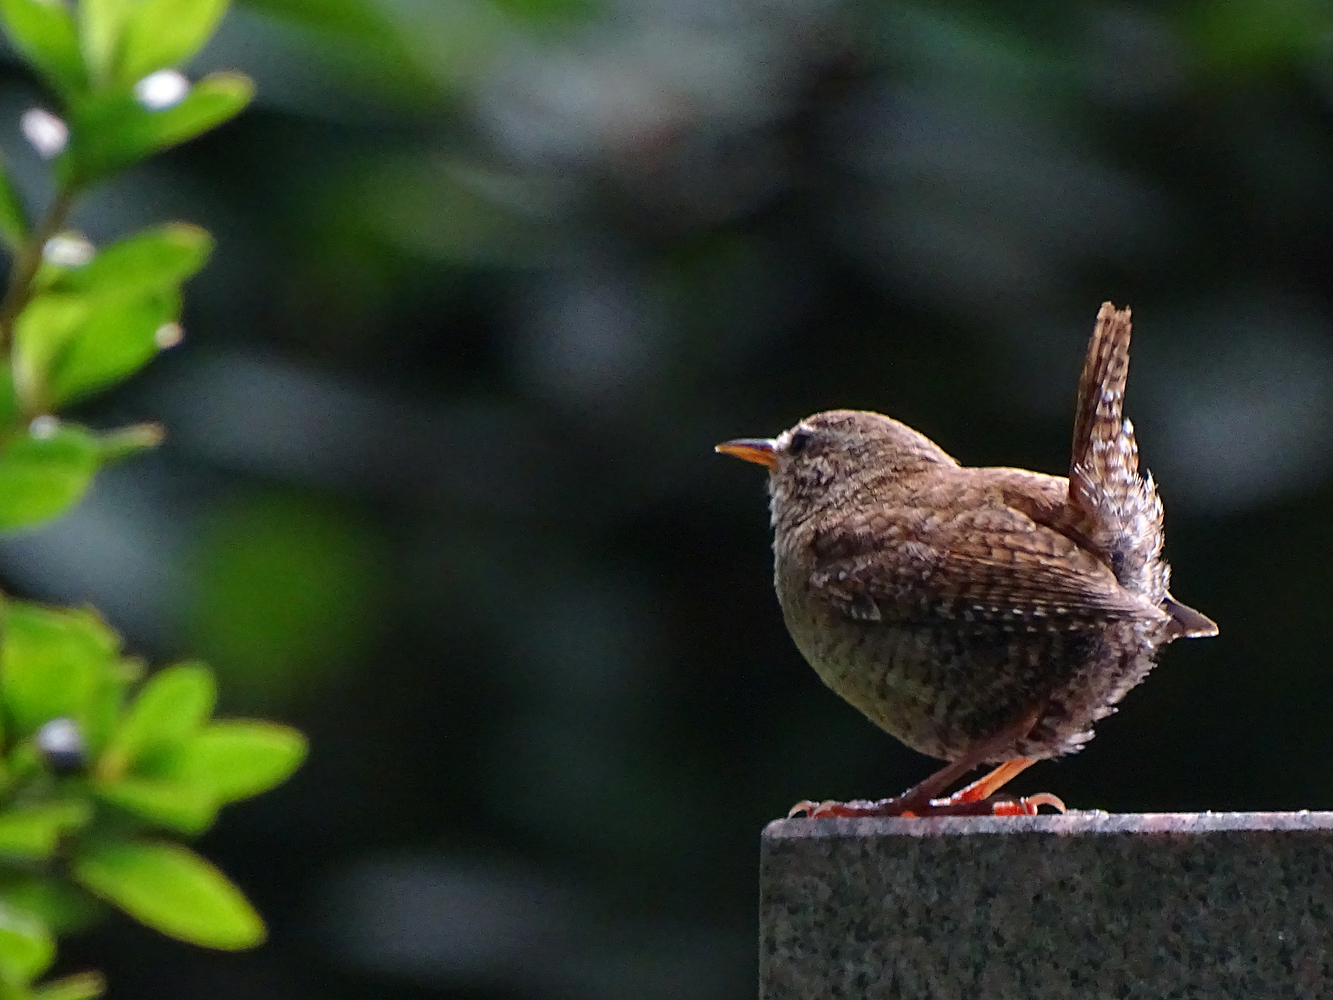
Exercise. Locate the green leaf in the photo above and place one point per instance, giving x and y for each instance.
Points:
(152, 261)
(35, 831)
(41, 332)
(58, 903)
(212, 101)
(174, 703)
(43, 33)
(114, 340)
(113, 130)
(235, 760)
(27, 947)
(125, 441)
(44, 474)
(58, 663)
(175, 805)
(94, 325)
(101, 29)
(165, 33)
(13, 217)
(80, 986)
(9, 404)
(171, 889)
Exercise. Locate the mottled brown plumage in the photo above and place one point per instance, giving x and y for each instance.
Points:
(976, 614)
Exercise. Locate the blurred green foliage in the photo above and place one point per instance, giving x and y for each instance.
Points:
(97, 763)
(286, 593)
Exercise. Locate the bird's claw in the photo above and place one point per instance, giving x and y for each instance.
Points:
(850, 809)
(1026, 806)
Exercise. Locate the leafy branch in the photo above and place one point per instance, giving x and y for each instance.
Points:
(101, 770)
(23, 270)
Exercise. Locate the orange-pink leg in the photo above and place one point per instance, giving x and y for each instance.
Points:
(977, 799)
(913, 802)
(983, 789)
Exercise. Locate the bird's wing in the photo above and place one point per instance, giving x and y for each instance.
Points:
(986, 564)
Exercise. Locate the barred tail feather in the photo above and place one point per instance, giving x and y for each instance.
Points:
(1101, 393)
(1120, 512)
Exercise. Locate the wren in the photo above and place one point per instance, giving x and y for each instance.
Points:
(979, 615)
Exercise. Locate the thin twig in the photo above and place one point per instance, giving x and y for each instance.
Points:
(19, 290)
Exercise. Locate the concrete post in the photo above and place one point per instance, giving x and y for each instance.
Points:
(1086, 905)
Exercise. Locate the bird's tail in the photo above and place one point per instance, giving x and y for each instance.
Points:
(1120, 511)
(1101, 393)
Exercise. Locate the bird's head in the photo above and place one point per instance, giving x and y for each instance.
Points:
(829, 458)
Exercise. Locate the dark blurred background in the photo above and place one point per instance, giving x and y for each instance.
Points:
(492, 278)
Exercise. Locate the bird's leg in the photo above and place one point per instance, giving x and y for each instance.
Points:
(910, 803)
(977, 799)
(982, 793)
(985, 787)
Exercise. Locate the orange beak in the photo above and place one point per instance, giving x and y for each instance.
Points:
(761, 451)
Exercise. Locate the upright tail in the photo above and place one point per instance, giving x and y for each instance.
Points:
(1101, 395)
(1120, 511)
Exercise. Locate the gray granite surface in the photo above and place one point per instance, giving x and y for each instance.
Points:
(1087, 905)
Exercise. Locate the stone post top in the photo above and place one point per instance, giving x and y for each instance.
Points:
(1072, 823)
(1083, 906)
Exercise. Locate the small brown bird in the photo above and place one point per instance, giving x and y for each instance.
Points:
(978, 615)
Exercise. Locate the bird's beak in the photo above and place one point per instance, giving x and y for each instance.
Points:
(762, 451)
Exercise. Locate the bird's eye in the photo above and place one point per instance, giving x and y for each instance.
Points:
(798, 442)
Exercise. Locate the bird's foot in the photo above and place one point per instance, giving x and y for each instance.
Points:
(994, 805)
(853, 808)
(976, 799)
